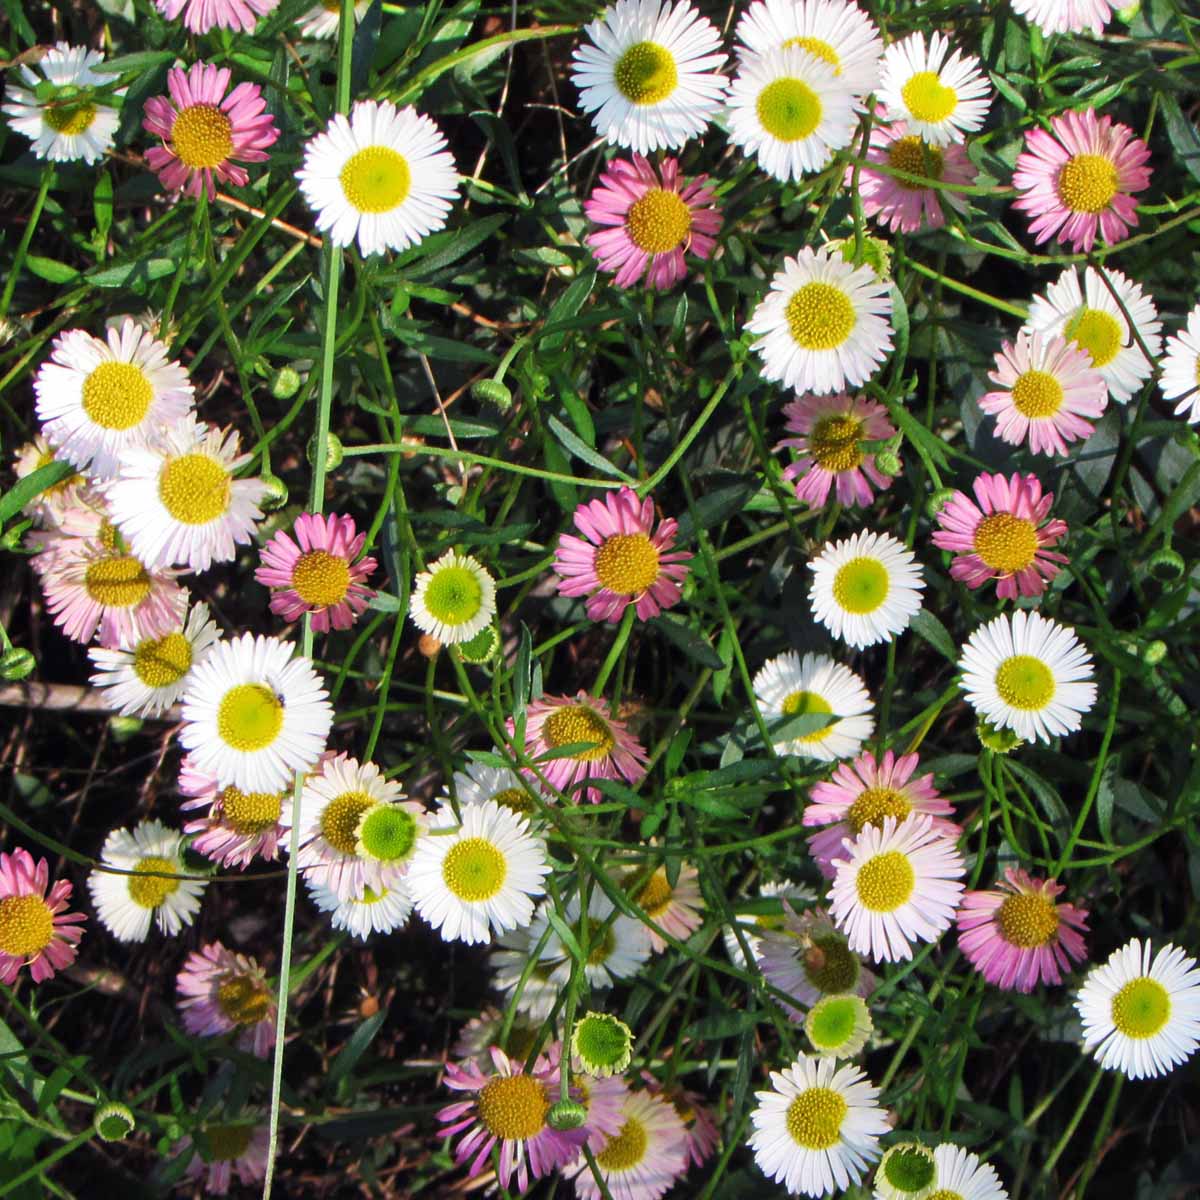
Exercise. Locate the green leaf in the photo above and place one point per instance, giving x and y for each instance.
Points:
(1185, 138)
(347, 1058)
(722, 1025)
(32, 486)
(444, 249)
(50, 269)
(566, 306)
(800, 725)
(715, 506)
(126, 274)
(575, 445)
(688, 642)
(927, 627)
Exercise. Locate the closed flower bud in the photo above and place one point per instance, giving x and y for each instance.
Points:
(566, 1114)
(16, 663)
(1166, 565)
(492, 391)
(333, 452)
(286, 383)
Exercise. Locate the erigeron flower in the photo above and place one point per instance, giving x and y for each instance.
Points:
(321, 21)
(617, 946)
(838, 1026)
(221, 991)
(1180, 379)
(675, 908)
(238, 826)
(906, 1172)
(1066, 16)
(480, 782)
(226, 1149)
(753, 926)
(36, 931)
(964, 1176)
(373, 912)
(539, 994)
(454, 599)
(199, 16)
(602, 1044)
(939, 93)
(603, 1098)
(50, 507)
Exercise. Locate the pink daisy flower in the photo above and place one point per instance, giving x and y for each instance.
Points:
(1047, 393)
(317, 573)
(222, 1150)
(555, 721)
(702, 1132)
(205, 131)
(220, 991)
(238, 826)
(199, 16)
(35, 931)
(651, 218)
(674, 909)
(509, 1106)
(1080, 179)
(862, 793)
(604, 1100)
(830, 431)
(1066, 16)
(1016, 936)
(1002, 534)
(621, 562)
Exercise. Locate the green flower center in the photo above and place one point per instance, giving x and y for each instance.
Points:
(814, 1118)
(832, 1021)
(603, 1042)
(376, 180)
(909, 1168)
(454, 595)
(788, 109)
(820, 316)
(861, 585)
(387, 833)
(646, 73)
(1025, 682)
(1141, 1008)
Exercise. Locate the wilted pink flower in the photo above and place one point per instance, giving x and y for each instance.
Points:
(222, 1149)
(35, 931)
(220, 991)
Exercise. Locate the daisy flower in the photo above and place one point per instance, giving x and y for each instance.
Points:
(963, 1174)
(651, 216)
(650, 74)
(835, 31)
(373, 912)
(1141, 1016)
(896, 885)
(221, 992)
(479, 783)
(1180, 379)
(199, 16)
(238, 826)
(206, 130)
(818, 1129)
(838, 1026)
(507, 1105)
(830, 432)
(1004, 534)
(383, 175)
(790, 110)
(754, 926)
(602, 1043)
(255, 714)
(97, 398)
(71, 122)
(866, 588)
(1047, 393)
(644, 1158)
(604, 1099)
(675, 908)
(617, 946)
(227, 1149)
(317, 572)
(539, 995)
(940, 94)
(48, 508)
(478, 878)
(1026, 673)
(1080, 179)
(1016, 936)
(145, 677)
(321, 21)
(703, 1135)
(485, 1030)
(865, 791)
(788, 686)
(621, 559)
(824, 324)
(1066, 16)
(177, 502)
(454, 599)
(1091, 318)
(151, 856)
(35, 930)
(612, 752)
(906, 1172)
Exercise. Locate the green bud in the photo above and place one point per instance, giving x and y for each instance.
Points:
(124, 728)
(16, 664)
(887, 462)
(906, 1172)
(1153, 653)
(1166, 565)
(939, 500)
(286, 383)
(875, 253)
(1126, 15)
(276, 495)
(333, 451)
(494, 392)
(113, 1122)
(566, 1114)
(996, 739)
(602, 1043)
(481, 647)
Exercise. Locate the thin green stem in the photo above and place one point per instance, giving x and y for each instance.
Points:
(14, 271)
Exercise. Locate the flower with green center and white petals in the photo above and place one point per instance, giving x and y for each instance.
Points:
(602, 1043)
(906, 1172)
(454, 599)
(838, 1026)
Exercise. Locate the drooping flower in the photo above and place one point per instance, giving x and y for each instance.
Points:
(36, 931)
(238, 826)
(225, 1149)
(940, 94)
(621, 559)
(321, 21)
(373, 912)
(963, 1174)
(676, 908)
(1180, 379)
(754, 926)
(1066, 16)
(221, 992)
(617, 945)
(454, 599)
(199, 16)
(650, 74)
(1080, 179)
(830, 432)
(651, 216)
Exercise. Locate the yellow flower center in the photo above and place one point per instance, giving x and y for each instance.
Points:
(946, 1194)
(657, 893)
(646, 73)
(119, 582)
(161, 662)
(514, 798)
(320, 578)
(227, 1143)
(885, 882)
(627, 1149)
(474, 870)
(820, 316)
(250, 717)
(1025, 682)
(830, 965)
(1006, 543)
(376, 180)
(788, 109)
(1087, 183)
(834, 443)
(150, 890)
(513, 1107)
(117, 395)
(195, 489)
(874, 804)
(861, 585)
(627, 563)
(1097, 332)
(800, 704)
(927, 98)
(578, 723)
(819, 49)
(26, 926)
(658, 222)
(1027, 919)
(202, 136)
(814, 1118)
(243, 1000)
(914, 155)
(1037, 395)
(250, 813)
(1141, 1008)
(70, 119)
(340, 818)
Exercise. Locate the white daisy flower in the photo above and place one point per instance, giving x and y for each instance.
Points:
(965, 1175)
(836, 31)
(824, 325)
(480, 782)
(454, 599)
(1026, 673)
(650, 76)
(896, 885)
(788, 686)
(941, 95)
(818, 1130)
(71, 122)
(477, 878)
(126, 904)
(540, 993)
(1180, 379)
(789, 109)
(177, 502)
(866, 588)
(383, 175)
(321, 21)
(96, 398)
(1141, 1017)
(617, 946)
(255, 714)
(144, 677)
(1091, 319)
(372, 912)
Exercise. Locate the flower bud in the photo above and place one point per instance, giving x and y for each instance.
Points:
(16, 663)
(938, 501)
(566, 1114)
(113, 1122)
(276, 495)
(333, 451)
(494, 392)
(286, 383)
(1166, 565)
(994, 738)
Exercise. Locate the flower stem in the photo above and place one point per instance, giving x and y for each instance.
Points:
(615, 650)
(10, 284)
